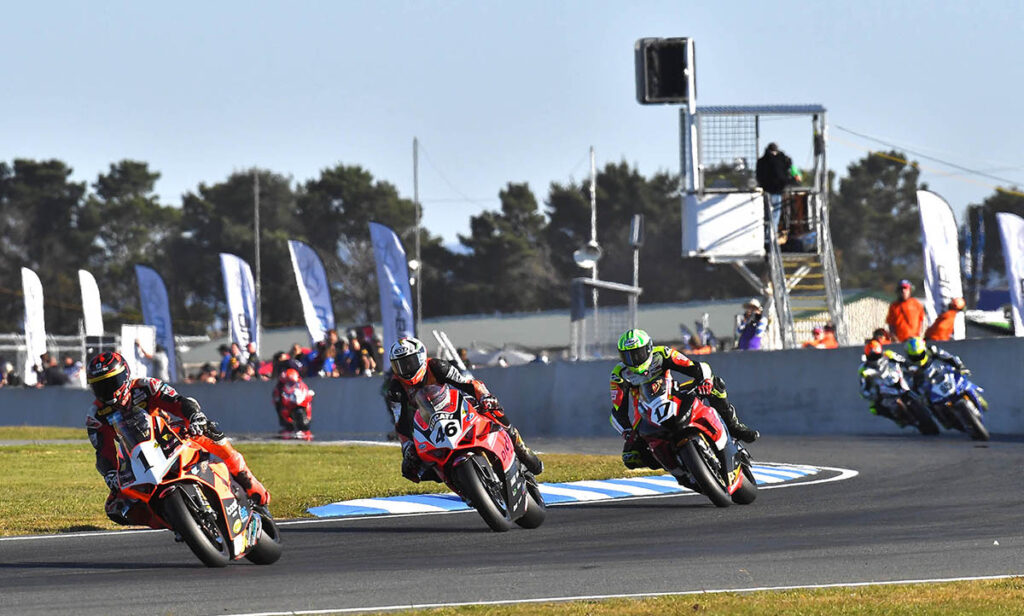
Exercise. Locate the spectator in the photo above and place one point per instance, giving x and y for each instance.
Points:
(225, 362)
(73, 370)
(252, 357)
(208, 374)
(882, 336)
(321, 360)
(10, 377)
(541, 358)
(942, 328)
(774, 172)
(299, 358)
(345, 359)
(829, 336)
(906, 314)
(751, 329)
(161, 364)
(361, 363)
(53, 374)
(817, 340)
(464, 356)
(502, 362)
(376, 347)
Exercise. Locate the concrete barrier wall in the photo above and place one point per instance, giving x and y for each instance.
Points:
(781, 392)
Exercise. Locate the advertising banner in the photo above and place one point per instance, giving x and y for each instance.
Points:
(35, 329)
(940, 241)
(1011, 230)
(240, 291)
(91, 304)
(314, 292)
(156, 311)
(393, 284)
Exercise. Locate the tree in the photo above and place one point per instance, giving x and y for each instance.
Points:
(993, 262)
(875, 222)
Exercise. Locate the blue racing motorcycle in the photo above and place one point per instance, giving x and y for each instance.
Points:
(955, 401)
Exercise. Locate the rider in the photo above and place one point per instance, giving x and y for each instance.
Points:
(643, 362)
(411, 369)
(920, 355)
(115, 390)
(296, 424)
(877, 359)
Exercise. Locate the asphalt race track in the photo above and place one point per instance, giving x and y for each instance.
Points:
(920, 508)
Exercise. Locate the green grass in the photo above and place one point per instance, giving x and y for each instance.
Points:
(54, 487)
(977, 598)
(37, 433)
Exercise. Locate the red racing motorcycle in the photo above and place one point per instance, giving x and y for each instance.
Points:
(676, 421)
(473, 455)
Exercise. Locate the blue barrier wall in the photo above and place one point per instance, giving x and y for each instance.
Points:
(782, 392)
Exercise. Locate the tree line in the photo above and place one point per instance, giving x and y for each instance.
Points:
(515, 258)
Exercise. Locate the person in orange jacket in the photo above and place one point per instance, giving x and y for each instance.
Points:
(942, 328)
(906, 314)
(817, 341)
(828, 337)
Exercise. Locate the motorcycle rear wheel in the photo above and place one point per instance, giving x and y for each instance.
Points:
(472, 485)
(693, 459)
(922, 417)
(268, 548)
(536, 511)
(181, 518)
(970, 420)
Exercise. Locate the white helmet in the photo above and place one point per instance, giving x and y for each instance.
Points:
(408, 360)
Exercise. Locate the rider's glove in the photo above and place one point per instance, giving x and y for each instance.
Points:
(110, 477)
(490, 403)
(965, 372)
(410, 462)
(705, 387)
(197, 423)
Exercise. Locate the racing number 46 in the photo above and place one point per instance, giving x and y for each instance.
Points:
(448, 429)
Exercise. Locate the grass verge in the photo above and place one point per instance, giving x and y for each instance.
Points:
(54, 487)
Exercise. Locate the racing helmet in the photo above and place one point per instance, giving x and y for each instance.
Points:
(917, 351)
(110, 379)
(291, 375)
(408, 360)
(873, 350)
(635, 348)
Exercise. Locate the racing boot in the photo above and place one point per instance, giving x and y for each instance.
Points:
(239, 470)
(736, 427)
(526, 455)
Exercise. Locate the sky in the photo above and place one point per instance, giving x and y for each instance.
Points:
(497, 91)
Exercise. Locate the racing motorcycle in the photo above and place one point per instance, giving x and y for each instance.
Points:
(894, 394)
(191, 491)
(955, 400)
(675, 421)
(473, 455)
(296, 411)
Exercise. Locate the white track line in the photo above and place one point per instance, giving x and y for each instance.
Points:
(641, 595)
(844, 473)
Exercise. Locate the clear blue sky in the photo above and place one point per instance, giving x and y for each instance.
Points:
(495, 92)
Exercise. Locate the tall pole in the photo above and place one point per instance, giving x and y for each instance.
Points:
(256, 234)
(419, 260)
(593, 230)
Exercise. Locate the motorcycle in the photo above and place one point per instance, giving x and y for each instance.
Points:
(296, 411)
(191, 491)
(473, 455)
(675, 421)
(894, 394)
(954, 399)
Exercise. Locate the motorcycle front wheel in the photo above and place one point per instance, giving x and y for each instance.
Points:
(489, 505)
(536, 511)
(970, 419)
(208, 544)
(693, 458)
(268, 548)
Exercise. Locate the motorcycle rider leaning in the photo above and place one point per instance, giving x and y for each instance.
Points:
(110, 380)
(411, 369)
(643, 362)
(920, 355)
(877, 359)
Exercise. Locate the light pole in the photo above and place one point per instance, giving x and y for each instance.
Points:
(419, 261)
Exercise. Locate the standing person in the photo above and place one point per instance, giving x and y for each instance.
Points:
(774, 172)
(817, 340)
(642, 362)
(252, 357)
(74, 371)
(829, 337)
(110, 380)
(750, 331)
(906, 314)
(411, 370)
(53, 374)
(942, 328)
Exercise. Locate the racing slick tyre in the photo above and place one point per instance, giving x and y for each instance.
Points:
(268, 549)
(207, 543)
(489, 503)
(970, 419)
(922, 417)
(536, 511)
(746, 493)
(693, 457)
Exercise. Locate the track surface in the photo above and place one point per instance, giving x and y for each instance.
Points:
(920, 508)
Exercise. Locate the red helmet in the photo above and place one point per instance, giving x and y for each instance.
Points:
(873, 349)
(110, 379)
(291, 375)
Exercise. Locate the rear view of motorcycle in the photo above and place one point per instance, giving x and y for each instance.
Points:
(473, 455)
(888, 387)
(676, 422)
(954, 399)
(192, 492)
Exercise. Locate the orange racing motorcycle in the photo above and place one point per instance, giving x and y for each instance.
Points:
(191, 491)
(473, 455)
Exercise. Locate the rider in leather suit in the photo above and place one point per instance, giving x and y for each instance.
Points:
(111, 383)
(411, 369)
